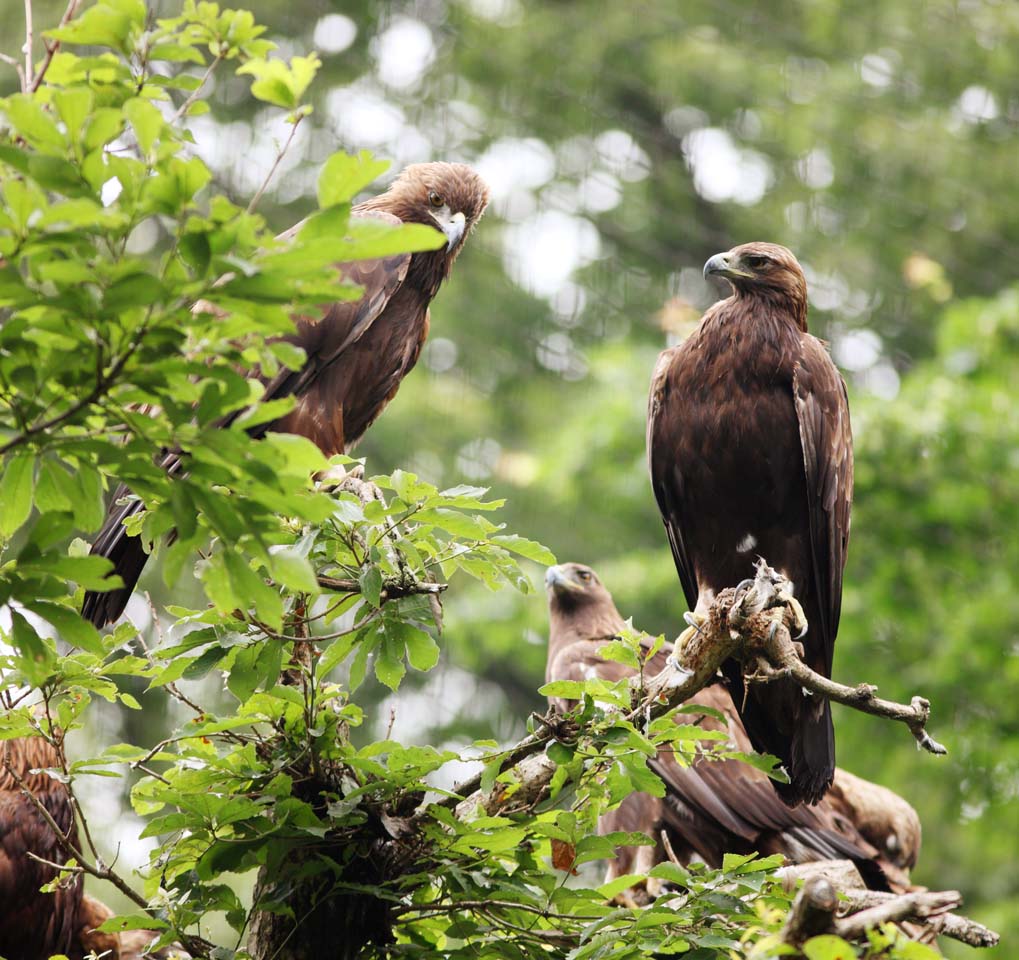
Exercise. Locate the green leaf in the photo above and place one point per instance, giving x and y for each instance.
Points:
(389, 668)
(32, 122)
(146, 120)
(100, 26)
(370, 238)
(529, 549)
(36, 656)
(671, 872)
(69, 625)
(370, 581)
(16, 491)
(344, 176)
(828, 947)
(278, 84)
(560, 753)
(294, 571)
(74, 106)
(422, 650)
(566, 689)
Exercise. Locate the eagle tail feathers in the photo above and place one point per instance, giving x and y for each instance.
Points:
(128, 555)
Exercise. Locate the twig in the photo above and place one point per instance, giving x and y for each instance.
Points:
(272, 170)
(197, 91)
(392, 588)
(4, 58)
(29, 40)
(100, 873)
(51, 48)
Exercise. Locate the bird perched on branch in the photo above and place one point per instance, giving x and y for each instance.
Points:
(714, 806)
(750, 453)
(34, 925)
(357, 352)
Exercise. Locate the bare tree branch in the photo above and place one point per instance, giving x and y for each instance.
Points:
(29, 43)
(275, 164)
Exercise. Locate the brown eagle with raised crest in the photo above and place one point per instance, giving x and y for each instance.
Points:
(715, 806)
(750, 453)
(357, 352)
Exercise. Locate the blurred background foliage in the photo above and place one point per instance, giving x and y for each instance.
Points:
(626, 143)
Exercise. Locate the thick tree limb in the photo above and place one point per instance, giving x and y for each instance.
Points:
(812, 912)
(863, 908)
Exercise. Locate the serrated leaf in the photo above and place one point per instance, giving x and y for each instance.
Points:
(70, 627)
(145, 119)
(566, 689)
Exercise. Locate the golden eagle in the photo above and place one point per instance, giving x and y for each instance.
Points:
(357, 352)
(750, 453)
(713, 807)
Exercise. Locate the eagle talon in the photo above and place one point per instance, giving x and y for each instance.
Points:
(798, 617)
(695, 620)
(682, 640)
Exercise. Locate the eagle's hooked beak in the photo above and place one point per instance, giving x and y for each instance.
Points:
(454, 227)
(724, 265)
(559, 580)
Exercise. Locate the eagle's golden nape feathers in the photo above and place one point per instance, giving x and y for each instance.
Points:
(750, 454)
(357, 352)
(712, 807)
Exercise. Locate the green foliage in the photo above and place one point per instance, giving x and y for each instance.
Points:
(312, 609)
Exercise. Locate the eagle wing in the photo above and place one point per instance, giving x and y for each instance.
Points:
(345, 321)
(324, 342)
(822, 409)
(666, 474)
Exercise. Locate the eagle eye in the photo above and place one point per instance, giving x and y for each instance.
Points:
(755, 261)
(435, 199)
(584, 575)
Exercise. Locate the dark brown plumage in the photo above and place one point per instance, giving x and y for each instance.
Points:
(714, 807)
(750, 452)
(358, 352)
(34, 925)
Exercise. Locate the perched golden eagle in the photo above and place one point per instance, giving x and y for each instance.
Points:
(34, 925)
(714, 807)
(750, 453)
(358, 352)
